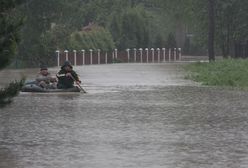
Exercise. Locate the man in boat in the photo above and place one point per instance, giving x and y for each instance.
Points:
(45, 80)
(67, 76)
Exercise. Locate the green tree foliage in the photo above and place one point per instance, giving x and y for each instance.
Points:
(9, 37)
(211, 29)
(171, 41)
(132, 23)
(54, 39)
(160, 42)
(48, 25)
(10, 25)
(231, 24)
(130, 28)
(97, 38)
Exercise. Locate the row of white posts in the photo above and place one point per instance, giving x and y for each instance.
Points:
(128, 51)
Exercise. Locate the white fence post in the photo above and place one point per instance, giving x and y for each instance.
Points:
(106, 57)
(116, 54)
(147, 55)
(135, 54)
(66, 55)
(180, 54)
(98, 55)
(158, 50)
(58, 57)
(175, 54)
(128, 54)
(152, 49)
(141, 55)
(91, 59)
(75, 57)
(113, 55)
(163, 54)
(83, 51)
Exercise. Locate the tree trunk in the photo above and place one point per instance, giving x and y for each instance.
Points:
(211, 30)
(238, 49)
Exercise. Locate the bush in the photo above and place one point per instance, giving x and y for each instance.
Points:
(97, 38)
(228, 72)
(6, 94)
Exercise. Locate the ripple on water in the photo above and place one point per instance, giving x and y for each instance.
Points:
(156, 126)
(135, 116)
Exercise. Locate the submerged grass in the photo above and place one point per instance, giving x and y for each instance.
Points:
(229, 72)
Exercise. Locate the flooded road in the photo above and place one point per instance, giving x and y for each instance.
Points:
(133, 116)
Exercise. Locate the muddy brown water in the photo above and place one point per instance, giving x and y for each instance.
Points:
(134, 116)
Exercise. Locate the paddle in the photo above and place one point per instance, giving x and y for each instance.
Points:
(78, 84)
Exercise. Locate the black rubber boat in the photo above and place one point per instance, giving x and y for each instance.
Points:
(35, 88)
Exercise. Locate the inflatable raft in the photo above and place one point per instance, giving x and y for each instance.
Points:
(35, 88)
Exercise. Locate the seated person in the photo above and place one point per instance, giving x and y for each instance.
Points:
(45, 80)
(67, 76)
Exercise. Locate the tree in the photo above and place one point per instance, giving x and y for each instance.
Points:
(211, 30)
(8, 33)
(97, 38)
(171, 41)
(130, 28)
(48, 21)
(230, 30)
(9, 38)
(133, 23)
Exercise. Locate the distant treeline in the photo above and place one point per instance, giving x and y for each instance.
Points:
(50, 25)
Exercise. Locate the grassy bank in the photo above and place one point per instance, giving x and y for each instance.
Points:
(230, 72)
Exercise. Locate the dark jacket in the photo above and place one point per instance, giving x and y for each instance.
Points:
(64, 81)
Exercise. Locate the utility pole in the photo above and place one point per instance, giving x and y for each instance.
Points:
(211, 29)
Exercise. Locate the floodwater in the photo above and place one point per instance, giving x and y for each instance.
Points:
(133, 116)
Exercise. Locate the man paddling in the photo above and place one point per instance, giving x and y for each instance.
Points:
(67, 76)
